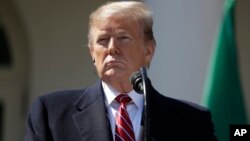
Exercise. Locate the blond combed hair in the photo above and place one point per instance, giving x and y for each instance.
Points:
(126, 9)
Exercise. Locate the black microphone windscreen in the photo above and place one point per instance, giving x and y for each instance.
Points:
(136, 81)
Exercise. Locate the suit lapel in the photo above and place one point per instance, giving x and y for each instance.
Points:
(91, 120)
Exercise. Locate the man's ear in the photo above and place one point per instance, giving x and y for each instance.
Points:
(150, 50)
(91, 53)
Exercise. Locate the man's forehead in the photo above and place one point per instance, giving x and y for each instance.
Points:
(116, 25)
(111, 30)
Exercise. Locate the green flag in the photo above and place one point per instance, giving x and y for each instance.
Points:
(222, 92)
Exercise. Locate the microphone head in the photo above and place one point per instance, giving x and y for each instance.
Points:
(137, 82)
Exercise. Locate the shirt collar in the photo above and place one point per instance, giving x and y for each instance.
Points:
(111, 94)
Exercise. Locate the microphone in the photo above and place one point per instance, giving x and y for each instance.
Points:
(137, 82)
(141, 84)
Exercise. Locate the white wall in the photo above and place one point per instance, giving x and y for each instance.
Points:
(243, 38)
(48, 44)
(57, 34)
(13, 79)
(184, 32)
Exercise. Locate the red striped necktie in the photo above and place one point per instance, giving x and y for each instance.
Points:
(123, 126)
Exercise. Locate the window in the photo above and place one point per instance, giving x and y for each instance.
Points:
(5, 55)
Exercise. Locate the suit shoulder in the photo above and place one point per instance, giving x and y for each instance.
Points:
(181, 104)
(54, 104)
(192, 105)
(59, 98)
(63, 95)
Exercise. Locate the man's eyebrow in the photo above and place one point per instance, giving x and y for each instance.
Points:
(103, 33)
(122, 32)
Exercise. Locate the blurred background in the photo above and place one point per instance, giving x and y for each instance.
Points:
(44, 48)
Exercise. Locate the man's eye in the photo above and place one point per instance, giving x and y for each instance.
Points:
(102, 40)
(124, 39)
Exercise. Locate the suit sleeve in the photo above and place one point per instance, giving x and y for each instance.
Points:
(37, 127)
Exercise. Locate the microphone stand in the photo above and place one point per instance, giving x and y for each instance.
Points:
(147, 115)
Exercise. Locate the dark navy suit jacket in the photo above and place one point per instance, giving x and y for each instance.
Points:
(80, 115)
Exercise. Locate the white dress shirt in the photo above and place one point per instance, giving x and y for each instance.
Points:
(134, 108)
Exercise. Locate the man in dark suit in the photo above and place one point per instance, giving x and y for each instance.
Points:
(120, 42)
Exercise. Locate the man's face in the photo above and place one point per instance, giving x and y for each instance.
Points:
(119, 49)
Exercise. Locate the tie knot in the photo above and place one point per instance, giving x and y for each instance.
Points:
(123, 99)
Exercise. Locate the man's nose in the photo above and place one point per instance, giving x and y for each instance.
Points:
(113, 47)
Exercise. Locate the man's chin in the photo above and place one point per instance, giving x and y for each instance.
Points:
(115, 73)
